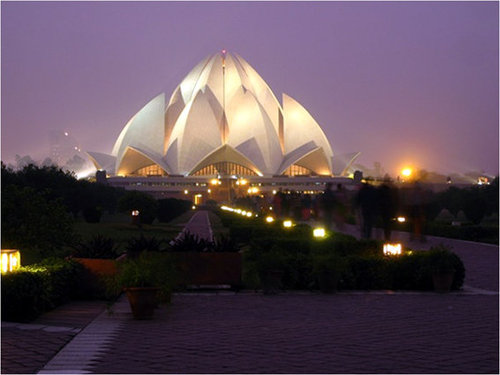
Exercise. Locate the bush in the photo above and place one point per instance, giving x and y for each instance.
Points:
(30, 220)
(32, 290)
(99, 247)
(137, 245)
(150, 269)
(366, 273)
(190, 242)
(92, 214)
(136, 200)
(170, 208)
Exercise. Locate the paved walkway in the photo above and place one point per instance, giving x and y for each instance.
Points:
(26, 348)
(199, 225)
(225, 332)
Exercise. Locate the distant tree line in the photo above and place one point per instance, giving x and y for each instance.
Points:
(41, 203)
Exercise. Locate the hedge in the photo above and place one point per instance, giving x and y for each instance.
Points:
(34, 289)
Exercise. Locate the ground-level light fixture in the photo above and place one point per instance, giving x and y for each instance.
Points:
(287, 223)
(319, 232)
(269, 219)
(392, 249)
(11, 260)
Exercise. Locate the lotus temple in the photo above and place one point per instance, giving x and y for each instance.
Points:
(223, 133)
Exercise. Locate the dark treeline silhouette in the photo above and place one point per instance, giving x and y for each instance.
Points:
(40, 205)
(372, 205)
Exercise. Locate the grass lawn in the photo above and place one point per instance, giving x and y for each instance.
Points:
(121, 230)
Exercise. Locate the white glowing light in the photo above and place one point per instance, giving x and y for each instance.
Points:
(319, 232)
(392, 249)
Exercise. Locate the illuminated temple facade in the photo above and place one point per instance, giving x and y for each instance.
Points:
(221, 122)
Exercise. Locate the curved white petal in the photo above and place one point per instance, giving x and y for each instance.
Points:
(342, 163)
(102, 161)
(145, 130)
(196, 133)
(300, 128)
(252, 133)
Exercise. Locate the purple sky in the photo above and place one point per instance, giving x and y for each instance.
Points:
(401, 82)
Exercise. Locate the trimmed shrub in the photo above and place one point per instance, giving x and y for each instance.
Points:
(37, 288)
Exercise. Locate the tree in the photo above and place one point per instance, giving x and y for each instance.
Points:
(144, 203)
(170, 208)
(32, 221)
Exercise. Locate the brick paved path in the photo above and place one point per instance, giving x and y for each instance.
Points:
(376, 332)
(27, 347)
(311, 333)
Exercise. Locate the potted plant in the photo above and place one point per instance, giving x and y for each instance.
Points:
(271, 266)
(146, 279)
(327, 268)
(443, 268)
(204, 262)
(98, 256)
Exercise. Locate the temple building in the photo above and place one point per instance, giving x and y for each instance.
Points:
(223, 130)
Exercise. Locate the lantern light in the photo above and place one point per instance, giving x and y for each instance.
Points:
(392, 249)
(287, 223)
(269, 219)
(401, 219)
(11, 260)
(319, 232)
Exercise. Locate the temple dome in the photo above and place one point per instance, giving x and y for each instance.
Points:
(224, 115)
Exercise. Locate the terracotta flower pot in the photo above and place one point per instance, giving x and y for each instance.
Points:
(328, 281)
(443, 280)
(142, 301)
(271, 283)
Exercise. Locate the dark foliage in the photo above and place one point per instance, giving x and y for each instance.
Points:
(92, 214)
(190, 242)
(32, 290)
(137, 245)
(136, 200)
(170, 208)
(99, 247)
(32, 221)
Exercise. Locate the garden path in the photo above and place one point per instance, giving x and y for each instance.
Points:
(199, 224)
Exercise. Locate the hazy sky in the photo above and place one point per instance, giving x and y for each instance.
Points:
(402, 82)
